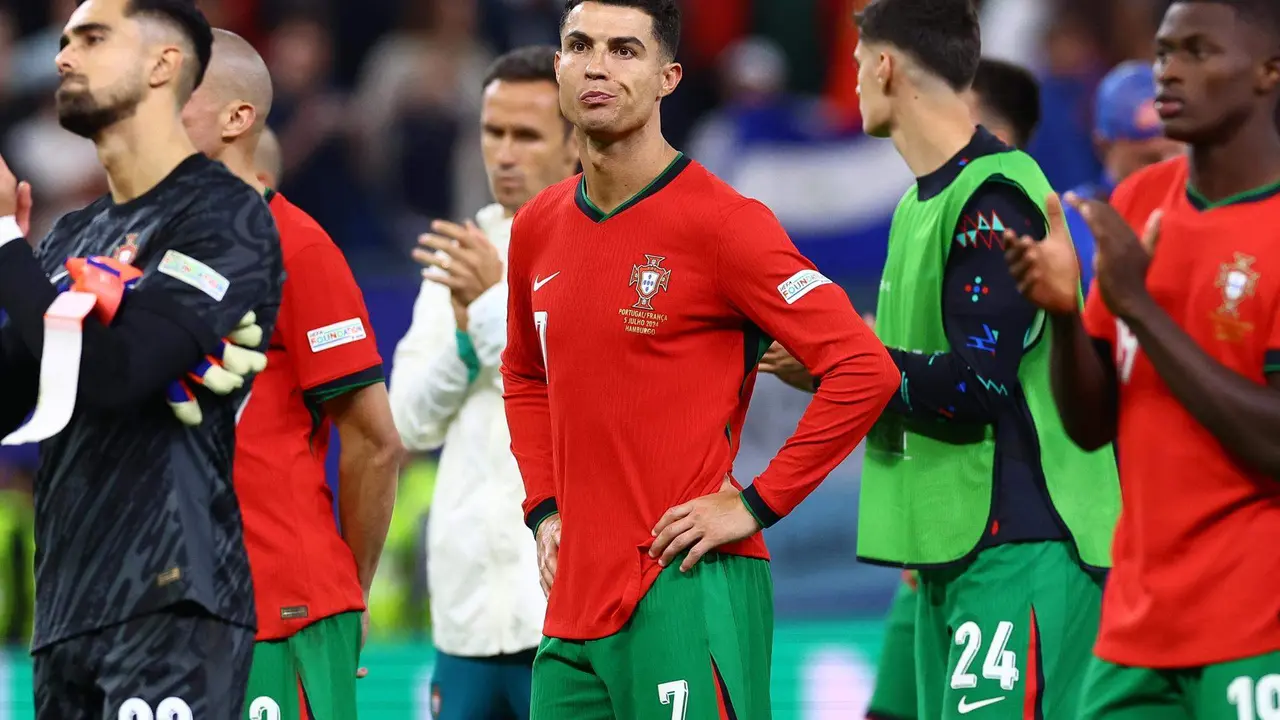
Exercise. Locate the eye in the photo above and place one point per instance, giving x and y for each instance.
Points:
(577, 46)
(626, 52)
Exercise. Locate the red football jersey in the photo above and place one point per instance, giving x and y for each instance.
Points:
(633, 339)
(1196, 576)
(322, 346)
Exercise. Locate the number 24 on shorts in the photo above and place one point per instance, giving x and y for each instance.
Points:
(1000, 664)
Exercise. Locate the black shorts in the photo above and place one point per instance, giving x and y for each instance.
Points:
(178, 664)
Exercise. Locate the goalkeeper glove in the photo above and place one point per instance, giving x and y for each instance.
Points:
(222, 372)
(105, 278)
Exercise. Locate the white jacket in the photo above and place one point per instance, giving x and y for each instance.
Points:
(483, 569)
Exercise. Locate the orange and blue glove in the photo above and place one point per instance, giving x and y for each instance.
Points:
(223, 372)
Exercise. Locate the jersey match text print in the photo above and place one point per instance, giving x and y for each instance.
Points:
(1000, 664)
(675, 694)
(1260, 701)
(169, 709)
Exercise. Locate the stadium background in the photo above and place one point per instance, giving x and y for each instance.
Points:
(376, 107)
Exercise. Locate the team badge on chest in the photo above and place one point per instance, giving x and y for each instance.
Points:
(648, 280)
(1238, 281)
(127, 251)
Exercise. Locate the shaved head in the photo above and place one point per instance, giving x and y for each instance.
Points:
(237, 72)
(269, 161)
(230, 108)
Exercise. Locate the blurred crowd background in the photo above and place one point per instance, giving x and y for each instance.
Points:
(377, 106)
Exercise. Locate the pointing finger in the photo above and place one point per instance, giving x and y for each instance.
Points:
(1151, 234)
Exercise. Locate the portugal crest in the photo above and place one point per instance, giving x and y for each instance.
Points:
(128, 250)
(648, 279)
(1238, 280)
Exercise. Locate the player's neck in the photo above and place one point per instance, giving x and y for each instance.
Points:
(617, 170)
(239, 160)
(1250, 159)
(929, 131)
(139, 152)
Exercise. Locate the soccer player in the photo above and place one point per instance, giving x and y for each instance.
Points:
(1127, 136)
(969, 477)
(641, 295)
(1177, 357)
(1005, 99)
(311, 581)
(486, 606)
(144, 602)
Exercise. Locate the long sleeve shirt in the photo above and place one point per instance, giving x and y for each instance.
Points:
(633, 338)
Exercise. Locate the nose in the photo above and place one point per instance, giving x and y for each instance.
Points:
(63, 61)
(507, 152)
(1167, 70)
(596, 67)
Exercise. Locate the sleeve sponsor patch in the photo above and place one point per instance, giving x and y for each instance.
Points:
(339, 333)
(799, 285)
(194, 273)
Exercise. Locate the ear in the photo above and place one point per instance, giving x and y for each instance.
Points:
(672, 74)
(238, 118)
(886, 66)
(167, 68)
(557, 66)
(1270, 76)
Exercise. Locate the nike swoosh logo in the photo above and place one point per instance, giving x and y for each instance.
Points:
(539, 282)
(968, 707)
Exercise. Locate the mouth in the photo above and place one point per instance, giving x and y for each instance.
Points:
(1169, 106)
(594, 98)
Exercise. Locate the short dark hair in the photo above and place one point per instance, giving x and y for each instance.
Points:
(532, 63)
(942, 35)
(184, 15)
(665, 14)
(1263, 11)
(1012, 93)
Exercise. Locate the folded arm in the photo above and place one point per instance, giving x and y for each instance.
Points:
(987, 321)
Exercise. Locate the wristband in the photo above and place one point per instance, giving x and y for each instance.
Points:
(59, 368)
(9, 230)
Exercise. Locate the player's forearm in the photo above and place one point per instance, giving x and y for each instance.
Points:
(1239, 413)
(849, 399)
(1084, 383)
(488, 325)
(528, 411)
(427, 395)
(149, 344)
(944, 386)
(368, 473)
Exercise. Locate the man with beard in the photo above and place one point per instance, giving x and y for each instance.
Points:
(144, 599)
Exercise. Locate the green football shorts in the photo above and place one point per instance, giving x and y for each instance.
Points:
(895, 695)
(698, 647)
(1248, 688)
(1011, 634)
(321, 661)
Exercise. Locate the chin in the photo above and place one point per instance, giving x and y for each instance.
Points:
(1186, 130)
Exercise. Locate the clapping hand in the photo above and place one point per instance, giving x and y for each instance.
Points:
(1047, 271)
(461, 258)
(1122, 258)
(15, 198)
